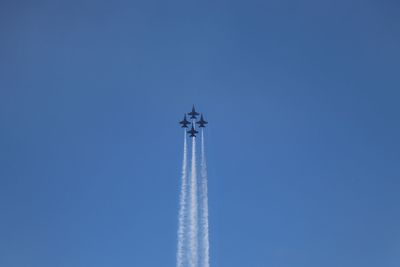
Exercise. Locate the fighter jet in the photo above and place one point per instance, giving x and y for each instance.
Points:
(192, 132)
(193, 113)
(202, 123)
(184, 122)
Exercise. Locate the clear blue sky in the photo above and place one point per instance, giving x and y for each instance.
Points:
(303, 142)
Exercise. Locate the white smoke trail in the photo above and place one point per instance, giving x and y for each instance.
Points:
(180, 256)
(205, 243)
(193, 231)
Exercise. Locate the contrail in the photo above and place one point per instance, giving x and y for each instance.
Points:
(180, 257)
(193, 231)
(205, 243)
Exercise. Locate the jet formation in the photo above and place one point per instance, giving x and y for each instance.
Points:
(193, 117)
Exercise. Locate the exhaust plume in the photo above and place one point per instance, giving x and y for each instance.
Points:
(205, 243)
(180, 254)
(193, 218)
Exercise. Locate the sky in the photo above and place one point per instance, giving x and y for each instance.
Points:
(302, 145)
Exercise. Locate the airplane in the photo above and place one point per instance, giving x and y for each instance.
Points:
(192, 132)
(193, 113)
(202, 123)
(184, 122)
